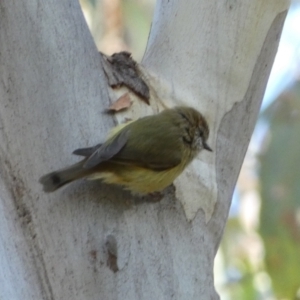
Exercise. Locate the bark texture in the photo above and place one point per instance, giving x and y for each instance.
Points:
(92, 241)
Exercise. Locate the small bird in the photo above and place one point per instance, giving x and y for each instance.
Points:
(143, 156)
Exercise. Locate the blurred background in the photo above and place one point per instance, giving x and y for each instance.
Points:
(259, 257)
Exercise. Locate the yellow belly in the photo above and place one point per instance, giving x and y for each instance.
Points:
(139, 180)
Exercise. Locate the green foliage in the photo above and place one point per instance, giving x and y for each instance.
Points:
(280, 191)
(137, 18)
(239, 271)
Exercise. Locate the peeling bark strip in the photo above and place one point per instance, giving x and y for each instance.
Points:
(122, 70)
(122, 103)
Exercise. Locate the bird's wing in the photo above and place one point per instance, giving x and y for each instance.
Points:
(161, 162)
(153, 145)
(86, 151)
(107, 150)
(150, 142)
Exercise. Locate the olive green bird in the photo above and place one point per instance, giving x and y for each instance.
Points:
(143, 156)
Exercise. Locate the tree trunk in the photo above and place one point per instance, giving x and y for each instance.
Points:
(90, 241)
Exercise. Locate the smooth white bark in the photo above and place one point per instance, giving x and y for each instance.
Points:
(213, 55)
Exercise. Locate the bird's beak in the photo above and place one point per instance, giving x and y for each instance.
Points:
(206, 147)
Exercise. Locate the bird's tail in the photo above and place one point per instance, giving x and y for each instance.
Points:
(53, 181)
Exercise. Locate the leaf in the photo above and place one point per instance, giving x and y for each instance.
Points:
(123, 102)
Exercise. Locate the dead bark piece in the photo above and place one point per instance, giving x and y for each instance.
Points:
(122, 70)
(122, 103)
